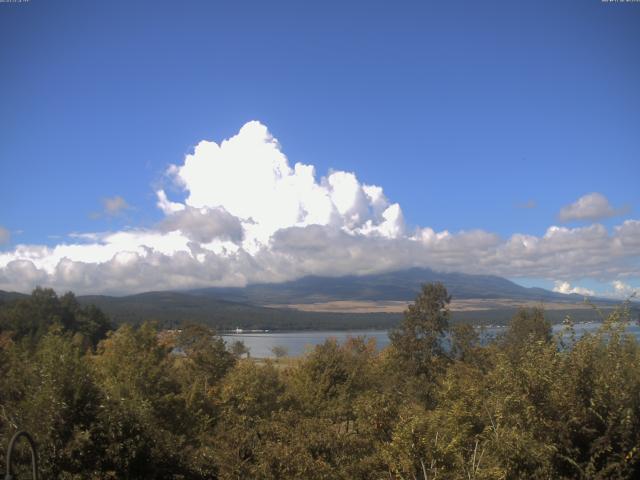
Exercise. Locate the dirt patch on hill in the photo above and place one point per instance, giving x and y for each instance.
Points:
(468, 305)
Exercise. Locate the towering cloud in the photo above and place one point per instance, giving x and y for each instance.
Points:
(240, 213)
(249, 177)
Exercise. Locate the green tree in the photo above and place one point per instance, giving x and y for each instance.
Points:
(464, 342)
(207, 354)
(248, 398)
(30, 318)
(332, 376)
(239, 349)
(526, 327)
(417, 343)
(279, 351)
(51, 394)
(145, 421)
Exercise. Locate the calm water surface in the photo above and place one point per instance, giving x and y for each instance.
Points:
(297, 343)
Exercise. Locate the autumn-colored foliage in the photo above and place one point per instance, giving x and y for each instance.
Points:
(435, 404)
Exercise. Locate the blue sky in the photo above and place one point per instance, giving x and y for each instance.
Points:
(464, 112)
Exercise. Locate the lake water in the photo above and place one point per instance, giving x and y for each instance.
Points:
(297, 343)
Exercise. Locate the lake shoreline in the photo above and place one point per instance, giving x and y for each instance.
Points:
(297, 342)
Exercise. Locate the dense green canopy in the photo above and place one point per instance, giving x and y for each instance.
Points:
(139, 403)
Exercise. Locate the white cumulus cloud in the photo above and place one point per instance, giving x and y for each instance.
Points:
(250, 178)
(565, 287)
(623, 290)
(240, 213)
(593, 206)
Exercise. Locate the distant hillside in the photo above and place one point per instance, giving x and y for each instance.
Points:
(173, 308)
(6, 297)
(401, 285)
(228, 308)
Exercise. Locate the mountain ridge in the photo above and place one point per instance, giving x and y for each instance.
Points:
(395, 285)
(278, 305)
